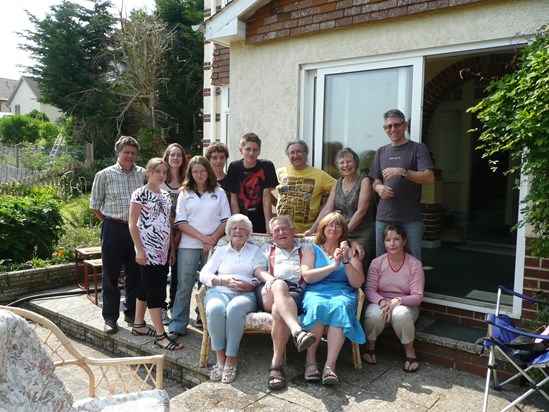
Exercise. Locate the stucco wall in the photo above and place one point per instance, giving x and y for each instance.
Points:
(265, 77)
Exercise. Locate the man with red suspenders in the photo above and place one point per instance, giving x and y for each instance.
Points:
(278, 266)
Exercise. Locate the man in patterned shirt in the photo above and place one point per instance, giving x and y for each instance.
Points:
(110, 201)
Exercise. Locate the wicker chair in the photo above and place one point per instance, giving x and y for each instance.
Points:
(32, 347)
(261, 322)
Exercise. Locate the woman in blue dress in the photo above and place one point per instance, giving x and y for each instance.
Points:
(332, 276)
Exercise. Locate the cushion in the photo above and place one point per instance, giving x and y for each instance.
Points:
(27, 381)
(150, 401)
(260, 321)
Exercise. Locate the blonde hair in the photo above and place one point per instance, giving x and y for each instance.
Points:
(333, 217)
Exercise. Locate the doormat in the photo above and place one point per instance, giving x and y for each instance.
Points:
(450, 330)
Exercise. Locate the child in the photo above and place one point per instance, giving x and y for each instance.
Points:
(250, 182)
(149, 225)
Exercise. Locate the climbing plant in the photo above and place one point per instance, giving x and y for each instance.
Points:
(515, 120)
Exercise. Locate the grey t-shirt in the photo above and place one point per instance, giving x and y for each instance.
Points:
(405, 206)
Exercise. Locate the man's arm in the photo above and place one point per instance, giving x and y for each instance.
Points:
(234, 204)
(267, 207)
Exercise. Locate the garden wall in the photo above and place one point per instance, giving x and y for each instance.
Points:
(15, 285)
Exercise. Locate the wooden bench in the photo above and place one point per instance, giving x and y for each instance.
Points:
(260, 322)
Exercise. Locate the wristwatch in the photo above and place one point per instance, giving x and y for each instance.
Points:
(404, 172)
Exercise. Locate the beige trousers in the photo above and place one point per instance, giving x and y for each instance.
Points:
(402, 321)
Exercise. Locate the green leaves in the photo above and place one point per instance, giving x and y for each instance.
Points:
(515, 117)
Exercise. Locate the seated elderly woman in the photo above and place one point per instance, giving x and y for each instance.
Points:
(229, 276)
(394, 286)
(332, 276)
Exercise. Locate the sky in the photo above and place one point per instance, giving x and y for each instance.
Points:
(13, 19)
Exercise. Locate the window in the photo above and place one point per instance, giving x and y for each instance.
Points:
(344, 106)
(17, 109)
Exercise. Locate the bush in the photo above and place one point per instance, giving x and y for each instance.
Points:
(151, 144)
(30, 225)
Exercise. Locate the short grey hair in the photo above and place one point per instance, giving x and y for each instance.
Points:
(238, 218)
(283, 218)
(394, 113)
(297, 141)
(125, 141)
(347, 151)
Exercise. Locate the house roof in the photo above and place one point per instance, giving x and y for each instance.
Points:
(6, 87)
(30, 82)
(229, 24)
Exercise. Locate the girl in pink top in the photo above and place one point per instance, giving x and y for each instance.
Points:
(394, 288)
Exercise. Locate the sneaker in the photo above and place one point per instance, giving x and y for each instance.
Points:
(110, 327)
(165, 317)
(198, 323)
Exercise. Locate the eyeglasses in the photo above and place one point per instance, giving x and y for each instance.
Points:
(296, 152)
(334, 226)
(237, 228)
(392, 126)
(199, 172)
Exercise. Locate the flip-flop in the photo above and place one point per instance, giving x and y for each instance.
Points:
(371, 353)
(280, 377)
(410, 361)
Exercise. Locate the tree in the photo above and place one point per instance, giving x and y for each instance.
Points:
(65, 45)
(515, 118)
(181, 96)
(137, 56)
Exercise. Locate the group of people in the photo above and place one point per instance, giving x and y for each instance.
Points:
(176, 218)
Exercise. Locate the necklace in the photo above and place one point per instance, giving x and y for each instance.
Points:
(348, 187)
(327, 253)
(391, 266)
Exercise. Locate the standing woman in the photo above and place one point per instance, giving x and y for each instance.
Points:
(332, 277)
(174, 156)
(201, 215)
(352, 197)
(394, 287)
(150, 229)
(229, 275)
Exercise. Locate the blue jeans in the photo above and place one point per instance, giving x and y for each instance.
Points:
(189, 262)
(226, 313)
(414, 235)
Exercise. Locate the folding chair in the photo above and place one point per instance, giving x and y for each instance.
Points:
(501, 333)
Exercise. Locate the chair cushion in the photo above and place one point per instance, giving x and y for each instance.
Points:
(259, 321)
(27, 381)
(150, 401)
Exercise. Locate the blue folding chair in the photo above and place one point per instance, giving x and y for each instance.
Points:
(501, 339)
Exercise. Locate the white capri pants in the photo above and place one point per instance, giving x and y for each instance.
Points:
(402, 320)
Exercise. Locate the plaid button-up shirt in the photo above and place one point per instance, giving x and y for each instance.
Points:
(112, 189)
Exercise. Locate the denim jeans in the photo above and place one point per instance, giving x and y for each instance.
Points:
(414, 235)
(226, 313)
(189, 262)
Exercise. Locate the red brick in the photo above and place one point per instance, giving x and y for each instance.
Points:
(545, 263)
(532, 262)
(345, 21)
(327, 25)
(438, 4)
(460, 312)
(536, 273)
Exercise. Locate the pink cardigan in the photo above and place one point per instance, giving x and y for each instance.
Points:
(407, 283)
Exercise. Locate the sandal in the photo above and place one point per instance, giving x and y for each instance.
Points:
(312, 374)
(135, 332)
(216, 372)
(371, 353)
(303, 339)
(229, 374)
(329, 377)
(410, 362)
(277, 380)
(172, 345)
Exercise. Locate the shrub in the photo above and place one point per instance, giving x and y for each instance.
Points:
(30, 225)
(18, 129)
(151, 144)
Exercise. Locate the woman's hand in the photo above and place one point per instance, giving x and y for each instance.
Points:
(237, 285)
(338, 257)
(141, 257)
(171, 257)
(387, 307)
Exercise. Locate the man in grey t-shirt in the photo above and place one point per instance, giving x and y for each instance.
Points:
(398, 170)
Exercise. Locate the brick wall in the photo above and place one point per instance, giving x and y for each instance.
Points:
(220, 65)
(536, 277)
(287, 18)
(15, 285)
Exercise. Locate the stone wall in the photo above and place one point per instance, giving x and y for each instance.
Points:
(15, 285)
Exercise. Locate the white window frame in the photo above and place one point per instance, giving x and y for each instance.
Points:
(311, 124)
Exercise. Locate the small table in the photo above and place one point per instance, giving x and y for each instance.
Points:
(96, 266)
(82, 254)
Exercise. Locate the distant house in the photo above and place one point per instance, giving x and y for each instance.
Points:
(326, 70)
(6, 87)
(25, 98)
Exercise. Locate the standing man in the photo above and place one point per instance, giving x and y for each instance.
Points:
(301, 187)
(250, 182)
(278, 266)
(398, 170)
(217, 154)
(110, 201)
